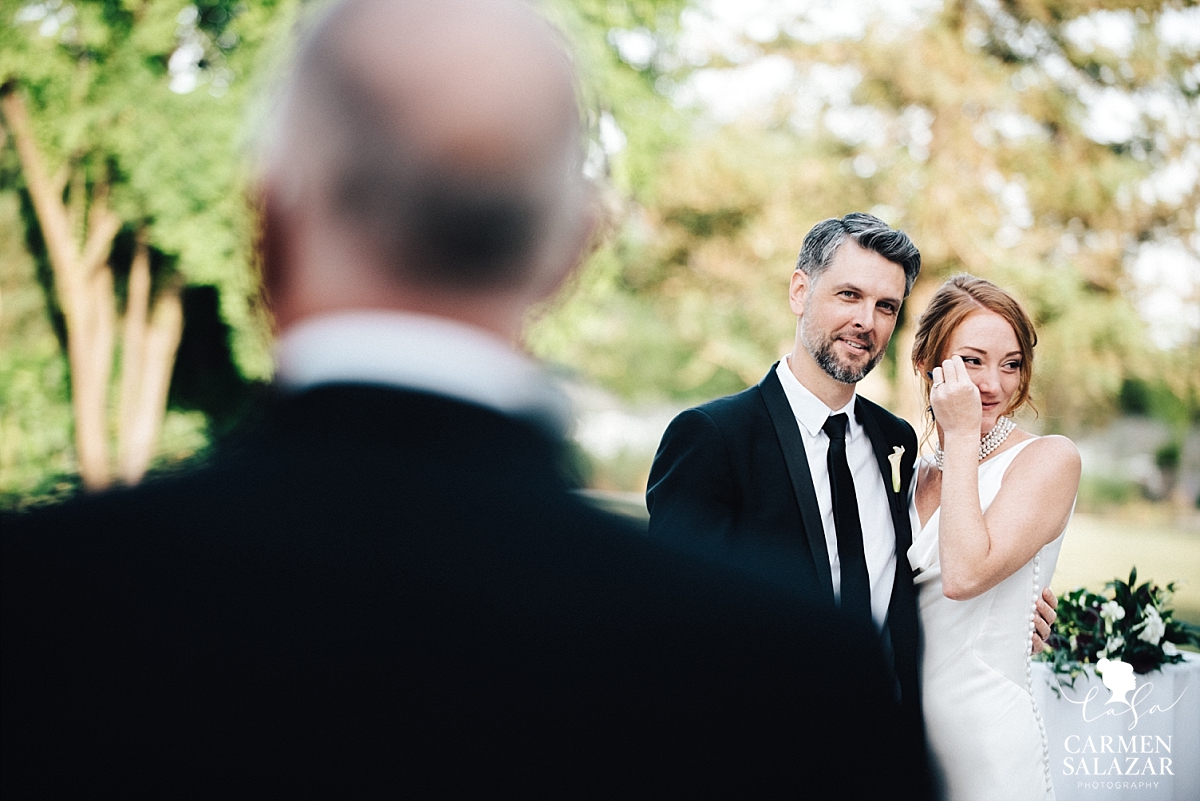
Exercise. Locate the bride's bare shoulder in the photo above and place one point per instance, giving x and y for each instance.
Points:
(1052, 451)
(1043, 481)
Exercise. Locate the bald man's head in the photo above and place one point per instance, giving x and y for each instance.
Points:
(445, 132)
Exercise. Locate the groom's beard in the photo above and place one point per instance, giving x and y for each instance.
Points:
(820, 347)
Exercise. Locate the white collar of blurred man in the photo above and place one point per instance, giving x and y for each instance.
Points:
(421, 353)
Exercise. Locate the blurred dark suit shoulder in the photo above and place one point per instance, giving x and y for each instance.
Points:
(387, 592)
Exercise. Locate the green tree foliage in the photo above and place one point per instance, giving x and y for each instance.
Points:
(35, 412)
(633, 126)
(135, 112)
(623, 91)
(152, 96)
(980, 131)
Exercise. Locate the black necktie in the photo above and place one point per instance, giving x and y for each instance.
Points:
(856, 584)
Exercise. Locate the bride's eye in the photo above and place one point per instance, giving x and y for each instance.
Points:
(1012, 365)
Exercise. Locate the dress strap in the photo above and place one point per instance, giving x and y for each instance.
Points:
(991, 473)
(1006, 458)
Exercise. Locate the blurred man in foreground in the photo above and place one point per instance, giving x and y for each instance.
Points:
(389, 589)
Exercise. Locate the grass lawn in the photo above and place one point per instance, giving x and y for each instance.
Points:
(1099, 548)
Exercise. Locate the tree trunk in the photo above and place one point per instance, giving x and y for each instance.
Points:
(133, 347)
(84, 284)
(89, 351)
(148, 357)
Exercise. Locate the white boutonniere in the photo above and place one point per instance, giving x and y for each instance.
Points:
(897, 455)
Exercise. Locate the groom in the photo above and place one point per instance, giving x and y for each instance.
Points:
(800, 463)
(801, 466)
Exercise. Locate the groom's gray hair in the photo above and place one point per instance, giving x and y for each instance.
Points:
(869, 232)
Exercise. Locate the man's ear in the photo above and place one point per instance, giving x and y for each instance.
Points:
(564, 260)
(272, 248)
(798, 293)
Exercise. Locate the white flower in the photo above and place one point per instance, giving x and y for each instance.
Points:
(1169, 648)
(1111, 612)
(895, 457)
(1111, 647)
(1152, 627)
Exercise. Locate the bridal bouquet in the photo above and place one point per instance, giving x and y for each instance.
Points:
(1134, 625)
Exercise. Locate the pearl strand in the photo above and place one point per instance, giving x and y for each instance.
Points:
(994, 439)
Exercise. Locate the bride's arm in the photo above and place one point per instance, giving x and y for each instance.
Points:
(978, 551)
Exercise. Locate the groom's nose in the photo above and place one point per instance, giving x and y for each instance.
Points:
(864, 317)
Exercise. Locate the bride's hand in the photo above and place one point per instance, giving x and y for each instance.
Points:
(955, 399)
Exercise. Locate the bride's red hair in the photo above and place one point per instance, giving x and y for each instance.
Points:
(950, 305)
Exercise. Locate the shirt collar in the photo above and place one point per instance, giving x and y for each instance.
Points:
(424, 353)
(810, 411)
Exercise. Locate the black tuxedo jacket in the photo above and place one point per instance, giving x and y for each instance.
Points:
(386, 593)
(734, 470)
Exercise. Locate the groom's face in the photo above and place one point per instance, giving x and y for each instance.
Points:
(848, 313)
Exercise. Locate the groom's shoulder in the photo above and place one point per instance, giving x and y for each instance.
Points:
(737, 406)
(731, 405)
(731, 416)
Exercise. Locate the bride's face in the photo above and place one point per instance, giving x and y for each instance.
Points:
(988, 347)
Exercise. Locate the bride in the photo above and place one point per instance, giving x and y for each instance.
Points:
(991, 508)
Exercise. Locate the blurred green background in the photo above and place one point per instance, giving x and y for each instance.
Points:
(1052, 146)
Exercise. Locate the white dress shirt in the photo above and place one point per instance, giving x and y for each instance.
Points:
(874, 510)
(413, 351)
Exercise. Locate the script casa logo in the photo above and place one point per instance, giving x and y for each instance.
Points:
(1139, 754)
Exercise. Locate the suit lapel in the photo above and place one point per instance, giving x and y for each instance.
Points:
(792, 444)
(902, 626)
(897, 500)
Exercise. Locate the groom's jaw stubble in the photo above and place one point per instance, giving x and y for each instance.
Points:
(820, 345)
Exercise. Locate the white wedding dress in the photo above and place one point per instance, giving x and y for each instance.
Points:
(984, 728)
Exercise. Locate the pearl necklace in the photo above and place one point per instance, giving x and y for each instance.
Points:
(1004, 426)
